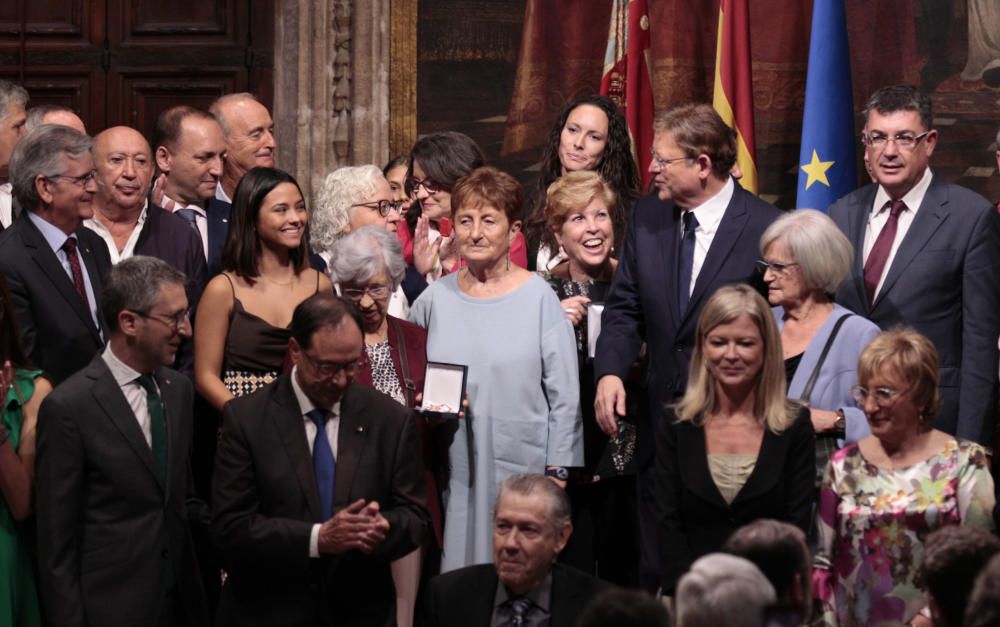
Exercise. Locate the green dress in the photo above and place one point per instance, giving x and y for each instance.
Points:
(18, 598)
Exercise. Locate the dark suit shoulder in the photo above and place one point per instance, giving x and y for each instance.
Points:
(81, 381)
(756, 206)
(961, 198)
(218, 208)
(651, 207)
(579, 581)
(462, 578)
(371, 401)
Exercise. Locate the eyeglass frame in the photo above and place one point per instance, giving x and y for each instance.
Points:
(898, 138)
(81, 180)
(412, 183)
(779, 269)
(359, 293)
(860, 393)
(660, 164)
(172, 322)
(383, 207)
(328, 370)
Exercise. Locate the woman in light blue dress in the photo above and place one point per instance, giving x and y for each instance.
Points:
(508, 327)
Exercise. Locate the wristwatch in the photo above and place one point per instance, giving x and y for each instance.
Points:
(841, 423)
(559, 472)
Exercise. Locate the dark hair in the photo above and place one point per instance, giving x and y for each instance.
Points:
(893, 98)
(322, 309)
(10, 342)
(167, 131)
(624, 608)
(983, 607)
(241, 251)
(953, 556)
(395, 162)
(446, 157)
(778, 549)
(134, 284)
(698, 129)
(487, 185)
(617, 167)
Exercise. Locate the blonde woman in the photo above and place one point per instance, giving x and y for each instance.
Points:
(733, 449)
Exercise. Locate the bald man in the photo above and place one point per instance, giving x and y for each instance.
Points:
(249, 134)
(54, 114)
(130, 225)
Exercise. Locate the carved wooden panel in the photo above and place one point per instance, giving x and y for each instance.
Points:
(140, 96)
(165, 24)
(83, 91)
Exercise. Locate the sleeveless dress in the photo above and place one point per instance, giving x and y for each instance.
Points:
(255, 350)
(18, 597)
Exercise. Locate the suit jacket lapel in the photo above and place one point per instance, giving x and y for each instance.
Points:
(931, 215)
(96, 280)
(173, 410)
(291, 429)
(112, 402)
(694, 464)
(670, 252)
(857, 223)
(351, 440)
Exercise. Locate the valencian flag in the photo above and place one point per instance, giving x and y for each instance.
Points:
(626, 75)
(733, 95)
(826, 161)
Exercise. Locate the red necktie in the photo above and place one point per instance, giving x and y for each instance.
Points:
(880, 251)
(74, 265)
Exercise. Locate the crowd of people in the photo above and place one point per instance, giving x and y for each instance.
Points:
(681, 407)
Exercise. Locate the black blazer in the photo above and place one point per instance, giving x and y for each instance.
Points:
(944, 283)
(642, 303)
(265, 502)
(693, 519)
(217, 212)
(110, 534)
(56, 327)
(464, 597)
(167, 237)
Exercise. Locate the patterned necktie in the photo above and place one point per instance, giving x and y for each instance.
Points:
(69, 247)
(157, 424)
(686, 266)
(190, 216)
(323, 463)
(519, 612)
(879, 254)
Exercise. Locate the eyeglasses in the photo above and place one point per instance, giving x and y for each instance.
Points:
(878, 141)
(780, 269)
(659, 163)
(172, 322)
(328, 369)
(383, 206)
(411, 184)
(81, 180)
(377, 292)
(883, 396)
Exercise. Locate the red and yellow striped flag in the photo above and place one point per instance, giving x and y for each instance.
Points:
(733, 94)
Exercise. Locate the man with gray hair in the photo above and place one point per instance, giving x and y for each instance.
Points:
(723, 590)
(53, 114)
(13, 99)
(249, 132)
(113, 500)
(54, 266)
(524, 585)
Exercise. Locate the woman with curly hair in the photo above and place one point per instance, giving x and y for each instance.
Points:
(590, 133)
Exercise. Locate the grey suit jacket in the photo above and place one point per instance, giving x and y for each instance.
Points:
(943, 282)
(111, 536)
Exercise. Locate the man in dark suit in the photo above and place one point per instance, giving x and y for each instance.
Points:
(189, 149)
(13, 99)
(524, 585)
(113, 442)
(53, 266)
(318, 486)
(927, 255)
(699, 231)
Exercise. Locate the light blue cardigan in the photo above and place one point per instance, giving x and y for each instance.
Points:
(832, 390)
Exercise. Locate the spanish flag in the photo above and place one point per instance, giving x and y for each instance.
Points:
(733, 95)
(626, 78)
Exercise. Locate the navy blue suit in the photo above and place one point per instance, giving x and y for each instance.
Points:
(642, 304)
(217, 212)
(943, 283)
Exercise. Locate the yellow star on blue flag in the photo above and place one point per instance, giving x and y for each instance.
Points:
(816, 170)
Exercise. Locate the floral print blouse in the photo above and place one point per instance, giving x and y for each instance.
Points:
(873, 521)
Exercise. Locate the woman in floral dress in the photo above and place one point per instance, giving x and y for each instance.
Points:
(883, 495)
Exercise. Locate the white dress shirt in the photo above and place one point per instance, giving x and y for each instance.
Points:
(55, 238)
(880, 215)
(6, 205)
(98, 227)
(200, 220)
(127, 379)
(332, 429)
(709, 215)
(220, 194)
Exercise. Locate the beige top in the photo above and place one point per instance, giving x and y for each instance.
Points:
(730, 472)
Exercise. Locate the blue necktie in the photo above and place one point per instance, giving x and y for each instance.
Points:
(190, 216)
(323, 462)
(686, 263)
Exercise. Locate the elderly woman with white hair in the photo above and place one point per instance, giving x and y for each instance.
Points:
(367, 264)
(350, 198)
(806, 258)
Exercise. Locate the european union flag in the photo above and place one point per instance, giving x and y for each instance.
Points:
(827, 168)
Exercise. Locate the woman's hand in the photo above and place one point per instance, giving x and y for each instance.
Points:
(575, 308)
(6, 379)
(449, 254)
(425, 252)
(823, 420)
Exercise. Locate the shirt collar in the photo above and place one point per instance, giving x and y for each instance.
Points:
(540, 595)
(122, 372)
(912, 198)
(96, 225)
(710, 212)
(53, 235)
(305, 404)
(220, 193)
(6, 188)
(179, 205)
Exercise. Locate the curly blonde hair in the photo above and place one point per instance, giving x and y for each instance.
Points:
(342, 189)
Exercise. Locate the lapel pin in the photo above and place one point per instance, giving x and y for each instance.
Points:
(359, 429)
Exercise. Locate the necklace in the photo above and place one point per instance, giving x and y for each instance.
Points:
(279, 283)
